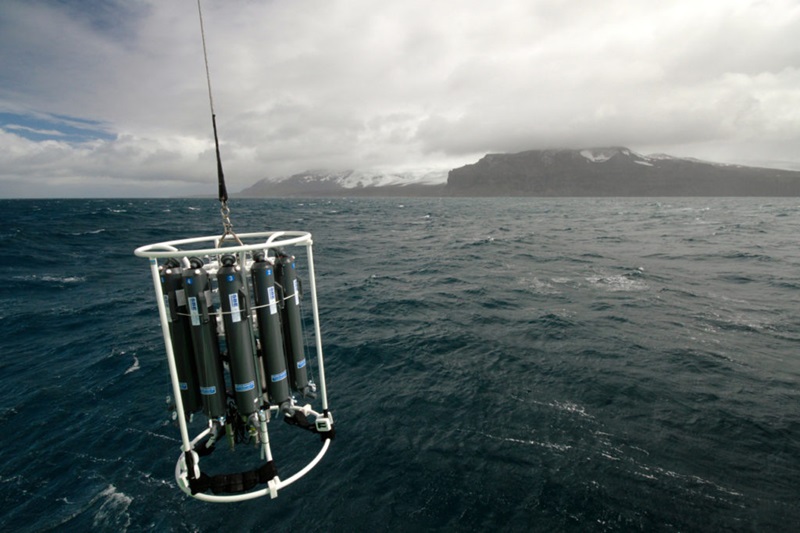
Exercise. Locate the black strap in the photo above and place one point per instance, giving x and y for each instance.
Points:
(233, 483)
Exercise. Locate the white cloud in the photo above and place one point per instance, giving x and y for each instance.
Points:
(357, 83)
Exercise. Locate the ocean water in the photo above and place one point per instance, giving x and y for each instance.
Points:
(492, 365)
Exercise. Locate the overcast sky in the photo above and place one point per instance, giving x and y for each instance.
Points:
(109, 97)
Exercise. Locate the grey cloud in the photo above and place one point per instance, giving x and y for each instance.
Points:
(313, 84)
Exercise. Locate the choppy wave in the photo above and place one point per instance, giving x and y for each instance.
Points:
(493, 364)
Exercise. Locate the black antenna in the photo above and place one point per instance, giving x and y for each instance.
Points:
(223, 192)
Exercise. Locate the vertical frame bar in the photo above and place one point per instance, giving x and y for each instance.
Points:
(317, 334)
(173, 369)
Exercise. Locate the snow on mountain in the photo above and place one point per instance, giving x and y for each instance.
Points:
(352, 182)
(352, 179)
(601, 155)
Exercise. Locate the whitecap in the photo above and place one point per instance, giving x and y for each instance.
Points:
(113, 512)
(571, 407)
(618, 283)
(538, 286)
(153, 434)
(653, 472)
(5, 414)
(549, 445)
(91, 232)
(529, 442)
(64, 279)
(134, 367)
(48, 278)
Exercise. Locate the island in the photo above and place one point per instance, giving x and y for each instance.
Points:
(615, 171)
(592, 172)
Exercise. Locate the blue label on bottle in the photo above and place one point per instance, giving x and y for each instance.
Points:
(230, 277)
(183, 386)
(269, 272)
(244, 387)
(273, 302)
(236, 314)
(279, 377)
(208, 391)
(301, 364)
(194, 311)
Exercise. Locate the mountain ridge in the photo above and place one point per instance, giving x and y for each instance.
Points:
(605, 171)
(418, 182)
(613, 171)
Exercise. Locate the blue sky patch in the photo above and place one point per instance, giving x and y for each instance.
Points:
(43, 127)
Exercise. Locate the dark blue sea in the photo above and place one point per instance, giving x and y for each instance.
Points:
(492, 365)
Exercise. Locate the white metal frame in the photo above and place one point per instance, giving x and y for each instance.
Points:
(263, 241)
